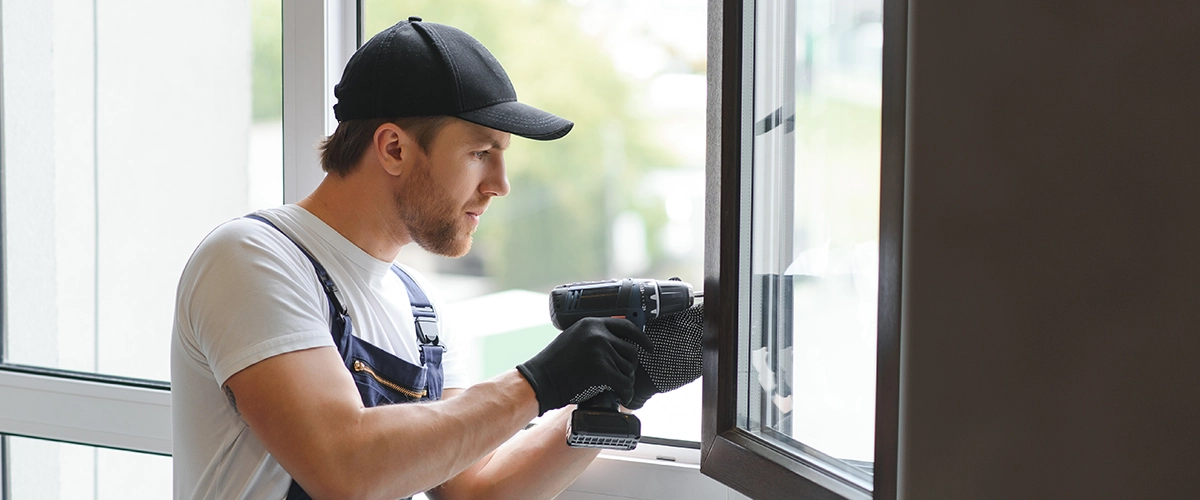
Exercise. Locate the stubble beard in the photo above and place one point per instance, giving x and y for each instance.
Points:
(433, 222)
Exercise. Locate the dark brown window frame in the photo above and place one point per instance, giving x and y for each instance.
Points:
(729, 454)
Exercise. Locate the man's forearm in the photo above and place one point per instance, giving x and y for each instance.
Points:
(444, 438)
(304, 407)
(318, 430)
(533, 464)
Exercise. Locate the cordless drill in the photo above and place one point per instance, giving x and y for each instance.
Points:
(597, 422)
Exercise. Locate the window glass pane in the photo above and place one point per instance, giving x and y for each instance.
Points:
(48, 470)
(811, 343)
(622, 195)
(130, 129)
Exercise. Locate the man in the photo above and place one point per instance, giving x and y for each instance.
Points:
(293, 329)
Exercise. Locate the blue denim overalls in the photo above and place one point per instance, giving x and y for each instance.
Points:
(381, 377)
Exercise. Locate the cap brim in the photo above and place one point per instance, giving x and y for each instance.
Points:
(520, 119)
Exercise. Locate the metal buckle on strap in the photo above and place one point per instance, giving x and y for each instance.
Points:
(427, 331)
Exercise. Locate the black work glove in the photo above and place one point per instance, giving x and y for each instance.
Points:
(675, 360)
(592, 356)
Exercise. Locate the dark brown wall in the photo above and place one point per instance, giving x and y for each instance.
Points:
(1052, 303)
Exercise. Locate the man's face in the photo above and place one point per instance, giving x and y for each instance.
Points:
(444, 195)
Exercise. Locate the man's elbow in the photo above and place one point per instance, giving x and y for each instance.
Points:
(333, 483)
(342, 486)
(343, 471)
(330, 471)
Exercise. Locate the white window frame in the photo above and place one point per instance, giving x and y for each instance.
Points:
(90, 412)
(113, 412)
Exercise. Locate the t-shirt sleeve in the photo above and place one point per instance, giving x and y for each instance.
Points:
(248, 294)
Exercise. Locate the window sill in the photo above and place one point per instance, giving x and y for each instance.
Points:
(646, 473)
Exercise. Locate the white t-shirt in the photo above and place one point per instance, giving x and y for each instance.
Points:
(248, 294)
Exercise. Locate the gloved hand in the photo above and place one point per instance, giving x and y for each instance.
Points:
(675, 359)
(589, 357)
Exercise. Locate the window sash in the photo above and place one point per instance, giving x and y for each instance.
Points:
(730, 454)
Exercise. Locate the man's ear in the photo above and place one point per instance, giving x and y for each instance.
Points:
(393, 148)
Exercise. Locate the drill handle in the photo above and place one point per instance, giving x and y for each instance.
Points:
(606, 400)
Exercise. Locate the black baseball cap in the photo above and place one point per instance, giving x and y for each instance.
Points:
(417, 68)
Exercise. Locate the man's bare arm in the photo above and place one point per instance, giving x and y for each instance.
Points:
(533, 464)
(305, 408)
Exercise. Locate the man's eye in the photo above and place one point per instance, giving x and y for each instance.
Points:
(481, 154)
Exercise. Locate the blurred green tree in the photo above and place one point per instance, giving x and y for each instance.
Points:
(266, 26)
(554, 227)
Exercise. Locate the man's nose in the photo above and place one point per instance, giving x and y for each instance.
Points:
(495, 183)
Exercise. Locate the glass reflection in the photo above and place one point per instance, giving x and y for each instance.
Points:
(103, 202)
(48, 470)
(809, 356)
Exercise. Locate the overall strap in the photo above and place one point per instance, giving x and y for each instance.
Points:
(348, 344)
(422, 309)
(326, 282)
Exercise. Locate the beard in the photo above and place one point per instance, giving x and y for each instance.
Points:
(433, 221)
